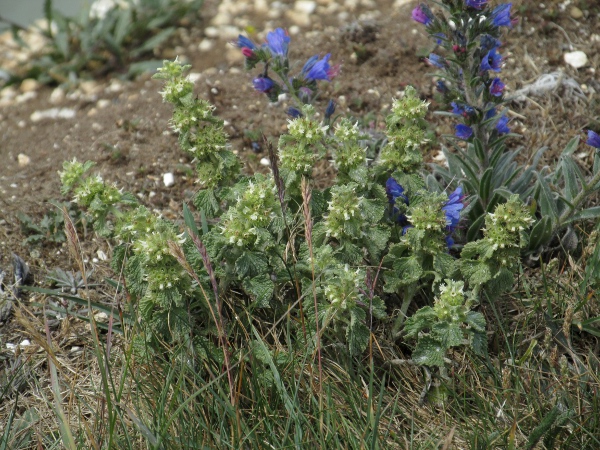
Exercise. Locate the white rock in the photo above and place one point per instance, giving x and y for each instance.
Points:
(103, 103)
(23, 160)
(101, 317)
(101, 255)
(29, 85)
(53, 113)
(26, 96)
(97, 127)
(206, 45)
(305, 6)
(577, 59)
(299, 18)
(212, 32)
(57, 96)
(265, 162)
(168, 179)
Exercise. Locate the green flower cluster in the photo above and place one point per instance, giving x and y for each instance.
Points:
(343, 289)
(406, 134)
(303, 145)
(349, 155)
(451, 305)
(345, 220)
(490, 262)
(450, 323)
(255, 209)
(200, 133)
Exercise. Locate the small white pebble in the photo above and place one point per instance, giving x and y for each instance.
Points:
(577, 59)
(168, 179)
(265, 162)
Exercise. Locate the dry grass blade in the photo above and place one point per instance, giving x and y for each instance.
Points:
(177, 253)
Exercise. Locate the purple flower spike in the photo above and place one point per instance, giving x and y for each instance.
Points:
(452, 209)
(491, 61)
(477, 4)
(496, 87)
(593, 139)
(262, 84)
(436, 60)
(502, 126)
(420, 15)
(501, 15)
(319, 69)
(463, 131)
(278, 42)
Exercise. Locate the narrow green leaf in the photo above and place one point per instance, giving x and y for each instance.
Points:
(571, 146)
(541, 233)
(474, 229)
(188, 218)
(153, 42)
(485, 184)
(547, 203)
(478, 148)
(586, 214)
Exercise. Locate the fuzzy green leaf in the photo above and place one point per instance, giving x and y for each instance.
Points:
(429, 352)
(261, 289)
(251, 264)
(408, 270)
(377, 308)
(357, 333)
(206, 201)
(376, 240)
(449, 334)
(476, 321)
(420, 320)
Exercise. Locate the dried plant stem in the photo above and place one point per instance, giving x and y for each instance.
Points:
(178, 254)
(306, 196)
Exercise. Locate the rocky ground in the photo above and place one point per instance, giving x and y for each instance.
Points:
(122, 125)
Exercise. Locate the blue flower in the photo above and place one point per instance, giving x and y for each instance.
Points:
(491, 113)
(422, 14)
(453, 207)
(330, 109)
(293, 112)
(278, 42)
(244, 42)
(496, 87)
(463, 131)
(477, 4)
(319, 70)
(263, 84)
(502, 126)
(501, 15)
(491, 61)
(394, 190)
(462, 109)
(441, 87)
(593, 139)
(489, 42)
(309, 64)
(440, 37)
(437, 61)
